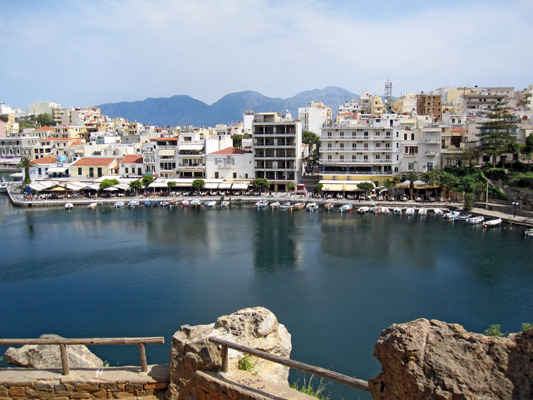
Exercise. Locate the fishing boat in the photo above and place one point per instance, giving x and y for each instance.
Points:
(529, 232)
(463, 217)
(438, 211)
(133, 204)
(451, 215)
(224, 204)
(363, 210)
(68, 206)
(346, 208)
(195, 203)
(410, 211)
(397, 211)
(285, 206)
(210, 203)
(423, 211)
(329, 206)
(119, 204)
(298, 206)
(385, 210)
(185, 203)
(475, 220)
(492, 223)
(262, 204)
(92, 205)
(147, 203)
(311, 207)
(275, 204)
(164, 203)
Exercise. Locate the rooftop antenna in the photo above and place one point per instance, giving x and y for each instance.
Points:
(388, 95)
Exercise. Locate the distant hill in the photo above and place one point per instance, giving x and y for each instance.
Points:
(184, 110)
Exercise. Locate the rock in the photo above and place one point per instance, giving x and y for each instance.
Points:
(434, 360)
(49, 356)
(257, 328)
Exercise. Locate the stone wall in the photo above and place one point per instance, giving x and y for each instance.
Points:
(110, 383)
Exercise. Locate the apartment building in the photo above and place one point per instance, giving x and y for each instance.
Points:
(314, 116)
(230, 163)
(429, 104)
(420, 144)
(131, 166)
(12, 149)
(363, 149)
(159, 156)
(94, 167)
(277, 149)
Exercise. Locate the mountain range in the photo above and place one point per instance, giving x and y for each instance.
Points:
(184, 110)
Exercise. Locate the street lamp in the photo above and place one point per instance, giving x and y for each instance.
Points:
(515, 204)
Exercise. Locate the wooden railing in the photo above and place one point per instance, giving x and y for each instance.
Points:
(62, 342)
(311, 369)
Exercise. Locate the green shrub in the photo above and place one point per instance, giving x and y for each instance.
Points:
(496, 193)
(526, 326)
(308, 388)
(469, 201)
(494, 330)
(246, 364)
(497, 174)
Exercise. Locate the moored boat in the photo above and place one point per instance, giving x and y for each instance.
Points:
(210, 203)
(329, 206)
(275, 204)
(451, 215)
(311, 207)
(195, 203)
(261, 204)
(68, 206)
(385, 210)
(475, 220)
(298, 206)
(529, 232)
(92, 205)
(492, 222)
(224, 204)
(438, 211)
(346, 208)
(363, 210)
(133, 203)
(463, 217)
(423, 211)
(185, 203)
(397, 211)
(285, 206)
(119, 204)
(410, 211)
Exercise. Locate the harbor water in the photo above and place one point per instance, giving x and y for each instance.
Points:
(334, 280)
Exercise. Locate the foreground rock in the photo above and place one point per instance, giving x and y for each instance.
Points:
(433, 360)
(49, 356)
(253, 327)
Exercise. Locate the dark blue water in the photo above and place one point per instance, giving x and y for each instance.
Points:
(336, 281)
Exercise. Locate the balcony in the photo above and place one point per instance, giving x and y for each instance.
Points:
(431, 153)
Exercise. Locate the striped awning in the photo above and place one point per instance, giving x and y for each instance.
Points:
(239, 186)
(210, 185)
(224, 186)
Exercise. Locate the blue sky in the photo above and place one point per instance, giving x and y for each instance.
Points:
(83, 53)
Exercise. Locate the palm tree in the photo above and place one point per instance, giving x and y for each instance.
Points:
(412, 176)
(25, 163)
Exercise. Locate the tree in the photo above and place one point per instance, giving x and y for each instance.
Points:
(25, 163)
(107, 183)
(198, 184)
(171, 185)
(261, 184)
(389, 185)
(447, 181)
(237, 139)
(470, 155)
(45, 119)
(310, 138)
(147, 180)
(136, 186)
(498, 132)
(412, 176)
(366, 187)
(318, 187)
(290, 186)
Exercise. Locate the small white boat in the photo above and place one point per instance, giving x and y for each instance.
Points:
(285, 206)
(185, 203)
(475, 220)
(375, 210)
(275, 204)
(261, 204)
(346, 208)
(463, 217)
(363, 210)
(195, 203)
(92, 205)
(423, 211)
(68, 206)
(438, 211)
(329, 206)
(397, 211)
(311, 207)
(492, 222)
(385, 210)
(410, 211)
(451, 215)
(133, 204)
(210, 203)
(529, 232)
(119, 204)
(164, 204)
(224, 204)
(298, 206)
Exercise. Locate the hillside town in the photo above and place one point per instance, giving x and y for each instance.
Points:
(370, 139)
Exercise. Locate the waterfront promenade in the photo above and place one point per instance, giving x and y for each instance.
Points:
(18, 199)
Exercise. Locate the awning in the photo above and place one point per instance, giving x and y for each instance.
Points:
(186, 182)
(224, 186)
(57, 170)
(191, 147)
(58, 189)
(333, 187)
(37, 187)
(73, 187)
(92, 187)
(211, 186)
(17, 175)
(351, 187)
(122, 186)
(158, 185)
(240, 186)
(111, 189)
(167, 153)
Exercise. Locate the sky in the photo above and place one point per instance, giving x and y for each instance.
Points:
(84, 53)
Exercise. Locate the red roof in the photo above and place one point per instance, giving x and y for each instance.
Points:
(164, 139)
(458, 129)
(132, 159)
(45, 128)
(45, 160)
(93, 161)
(230, 150)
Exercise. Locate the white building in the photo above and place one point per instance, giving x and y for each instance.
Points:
(314, 116)
(277, 149)
(420, 145)
(43, 107)
(230, 163)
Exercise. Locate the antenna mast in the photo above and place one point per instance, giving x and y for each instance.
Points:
(388, 95)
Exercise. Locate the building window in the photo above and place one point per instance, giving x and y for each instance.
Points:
(405, 136)
(329, 134)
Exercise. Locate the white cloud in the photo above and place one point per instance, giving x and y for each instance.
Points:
(82, 53)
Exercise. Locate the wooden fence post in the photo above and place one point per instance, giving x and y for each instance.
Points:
(142, 352)
(64, 358)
